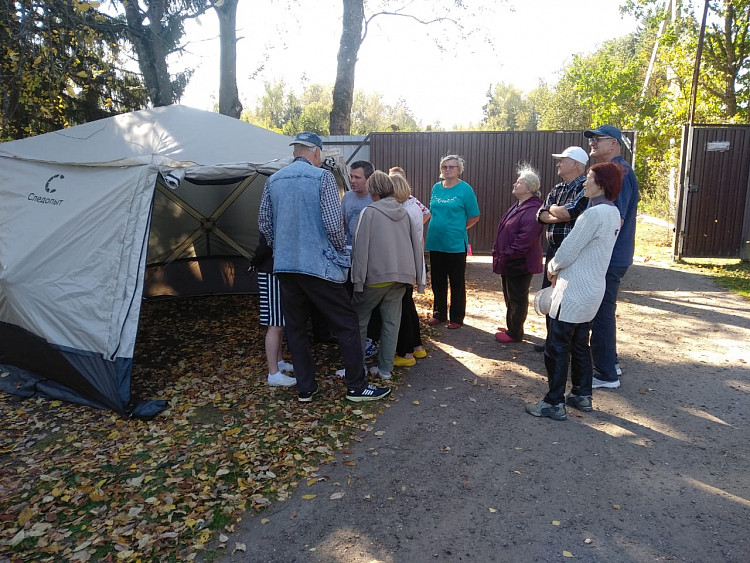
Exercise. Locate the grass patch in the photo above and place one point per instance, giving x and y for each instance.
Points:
(655, 241)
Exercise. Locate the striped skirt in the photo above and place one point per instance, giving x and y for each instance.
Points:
(270, 300)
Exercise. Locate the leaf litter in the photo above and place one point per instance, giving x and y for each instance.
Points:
(82, 484)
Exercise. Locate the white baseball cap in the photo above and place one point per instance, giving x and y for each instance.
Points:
(576, 153)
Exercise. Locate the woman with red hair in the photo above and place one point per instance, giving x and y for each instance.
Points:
(577, 273)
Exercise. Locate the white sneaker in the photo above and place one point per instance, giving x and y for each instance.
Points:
(374, 370)
(384, 375)
(618, 370)
(599, 384)
(278, 379)
(341, 373)
(285, 367)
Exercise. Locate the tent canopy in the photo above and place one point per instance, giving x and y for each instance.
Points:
(76, 227)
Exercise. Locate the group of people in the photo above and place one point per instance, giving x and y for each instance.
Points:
(589, 219)
(357, 260)
(344, 260)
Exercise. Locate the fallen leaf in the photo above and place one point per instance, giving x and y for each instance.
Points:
(493, 510)
(309, 497)
(415, 402)
(616, 506)
(264, 520)
(337, 496)
(349, 463)
(568, 554)
(555, 522)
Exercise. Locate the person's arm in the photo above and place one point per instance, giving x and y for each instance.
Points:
(330, 209)
(471, 221)
(580, 235)
(527, 235)
(265, 216)
(560, 213)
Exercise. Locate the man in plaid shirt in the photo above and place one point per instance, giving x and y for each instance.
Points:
(566, 200)
(564, 204)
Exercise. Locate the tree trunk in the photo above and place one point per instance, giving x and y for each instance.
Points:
(343, 89)
(151, 50)
(229, 100)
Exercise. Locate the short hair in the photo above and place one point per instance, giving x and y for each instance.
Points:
(380, 184)
(401, 189)
(300, 150)
(457, 158)
(530, 177)
(365, 165)
(397, 171)
(609, 176)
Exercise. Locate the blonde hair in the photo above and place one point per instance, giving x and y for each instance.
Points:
(397, 171)
(401, 189)
(380, 184)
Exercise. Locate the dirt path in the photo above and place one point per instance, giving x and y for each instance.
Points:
(454, 470)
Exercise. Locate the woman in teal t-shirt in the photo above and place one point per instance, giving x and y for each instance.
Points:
(454, 211)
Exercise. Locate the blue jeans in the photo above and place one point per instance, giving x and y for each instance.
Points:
(567, 344)
(604, 327)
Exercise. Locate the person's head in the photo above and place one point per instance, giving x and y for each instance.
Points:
(571, 163)
(604, 179)
(527, 184)
(380, 185)
(401, 189)
(309, 145)
(451, 167)
(604, 142)
(397, 171)
(359, 172)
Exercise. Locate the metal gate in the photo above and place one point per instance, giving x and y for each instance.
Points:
(713, 203)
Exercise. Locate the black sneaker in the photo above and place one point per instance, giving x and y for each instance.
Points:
(306, 396)
(580, 402)
(369, 393)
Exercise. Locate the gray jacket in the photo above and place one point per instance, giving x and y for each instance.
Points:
(386, 248)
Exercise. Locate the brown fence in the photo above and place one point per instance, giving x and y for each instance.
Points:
(713, 203)
(491, 162)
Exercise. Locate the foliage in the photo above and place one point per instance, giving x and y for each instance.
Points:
(280, 109)
(508, 110)
(156, 28)
(80, 484)
(61, 65)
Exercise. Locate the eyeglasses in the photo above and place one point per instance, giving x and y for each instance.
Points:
(448, 166)
(594, 140)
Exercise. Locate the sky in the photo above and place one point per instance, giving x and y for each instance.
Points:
(522, 42)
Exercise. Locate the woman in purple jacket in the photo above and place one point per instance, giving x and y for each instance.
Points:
(517, 254)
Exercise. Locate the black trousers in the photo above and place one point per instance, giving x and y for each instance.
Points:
(408, 333)
(445, 267)
(516, 294)
(299, 292)
(567, 345)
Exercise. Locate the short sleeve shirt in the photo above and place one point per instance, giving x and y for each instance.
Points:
(451, 208)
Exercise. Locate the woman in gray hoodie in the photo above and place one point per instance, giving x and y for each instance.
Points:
(386, 257)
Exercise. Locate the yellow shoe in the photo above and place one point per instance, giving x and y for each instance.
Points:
(398, 361)
(420, 354)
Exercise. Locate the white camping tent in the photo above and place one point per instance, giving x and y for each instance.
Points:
(75, 223)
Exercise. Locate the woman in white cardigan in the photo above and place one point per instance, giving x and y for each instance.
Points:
(577, 274)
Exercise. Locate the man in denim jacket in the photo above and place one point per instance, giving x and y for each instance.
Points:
(300, 216)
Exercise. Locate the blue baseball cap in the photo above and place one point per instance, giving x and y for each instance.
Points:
(308, 139)
(604, 131)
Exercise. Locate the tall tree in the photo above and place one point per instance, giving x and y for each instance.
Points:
(229, 99)
(155, 29)
(60, 65)
(354, 31)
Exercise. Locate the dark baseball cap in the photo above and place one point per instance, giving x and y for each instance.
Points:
(308, 139)
(604, 131)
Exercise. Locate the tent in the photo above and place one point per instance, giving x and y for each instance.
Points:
(77, 233)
